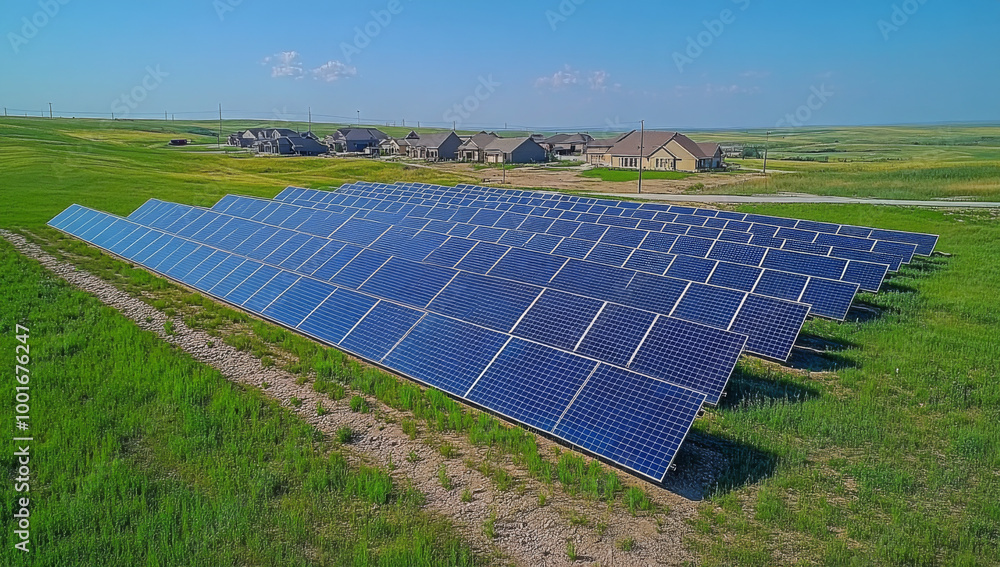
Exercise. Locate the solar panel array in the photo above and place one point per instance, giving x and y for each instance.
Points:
(603, 323)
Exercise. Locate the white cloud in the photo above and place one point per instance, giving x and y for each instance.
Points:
(333, 70)
(564, 78)
(284, 64)
(569, 77)
(598, 80)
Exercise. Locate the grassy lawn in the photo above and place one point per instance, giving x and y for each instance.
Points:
(883, 162)
(618, 175)
(886, 450)
(143, 456)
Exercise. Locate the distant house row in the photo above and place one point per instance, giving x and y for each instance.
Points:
(651, 150)
(278, 141)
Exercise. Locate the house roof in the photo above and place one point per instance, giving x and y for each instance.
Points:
(709, 149)
(579, 138)
(479, 141)
(302, 144)
(507, 145)
(433, 140)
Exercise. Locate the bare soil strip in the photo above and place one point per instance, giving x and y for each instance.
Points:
(526, 532)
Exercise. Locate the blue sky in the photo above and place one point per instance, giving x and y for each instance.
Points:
(571, 64)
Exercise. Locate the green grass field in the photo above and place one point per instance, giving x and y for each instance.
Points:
(143, 456)
(885, 450)
(917, 162)
(620, 175)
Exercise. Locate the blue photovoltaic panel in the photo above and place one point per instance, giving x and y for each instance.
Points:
(446, 354)
(868, 276)
(691, 269)
(632, 420)
(527, 266)
(486, 301)
(380, 330)
(181, 269)
(807, 264)
(737, 253)
(649, 261)
(771, 325)
(592, 280)
(616, 334)
(894, 262)
(736, 276)
(574, 248)
(451, 252)
(925, 242)
(609, 254)
(652, 293)
(298, 301)
(714, 306)
(343, 256)
(251, 285)
(274, 288)
(903, 250)
(829, 298)
(234, 278)
(408, 282)
(531, 383)
(558, 319)
(359, 231)
(482, 258)
(362, 267)
(545, 243)
(779, 284)
(691, 246)
(667, 352)
(337, 315)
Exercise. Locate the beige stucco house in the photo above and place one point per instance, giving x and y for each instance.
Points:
(660, 151)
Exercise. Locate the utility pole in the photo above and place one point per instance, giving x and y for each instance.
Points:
(454, 125)
(310, 120)
(50, 110)
(220, 125)
(642, 144)
(359, 119)
(767, 140)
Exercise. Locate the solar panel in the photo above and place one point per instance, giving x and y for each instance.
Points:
(374, 328)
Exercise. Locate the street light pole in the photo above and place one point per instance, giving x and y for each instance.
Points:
(767, 141)
(642, 144)
(359, 119)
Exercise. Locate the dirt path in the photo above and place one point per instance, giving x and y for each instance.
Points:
(526, 532)
(570, 179)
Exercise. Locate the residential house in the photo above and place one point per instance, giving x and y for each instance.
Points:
(247, 138)
(294, 145)
(568, 144)
(435, 147)
(660, 151)
(355, 140)
(473, 148)
(515, 150)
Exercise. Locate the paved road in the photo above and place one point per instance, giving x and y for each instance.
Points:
(798, 198)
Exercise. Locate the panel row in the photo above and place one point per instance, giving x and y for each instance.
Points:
(375, 253)
(628, 418)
